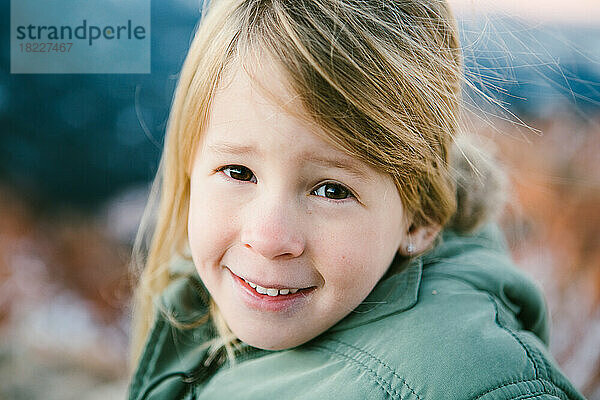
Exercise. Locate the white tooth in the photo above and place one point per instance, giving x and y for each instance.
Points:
(272, 292)
(261, 289)
(284, 291)
(252, 285)
(293, 290)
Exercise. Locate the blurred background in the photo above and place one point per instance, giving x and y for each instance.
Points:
(77, 154)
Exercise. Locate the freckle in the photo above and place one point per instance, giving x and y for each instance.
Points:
(434, 292)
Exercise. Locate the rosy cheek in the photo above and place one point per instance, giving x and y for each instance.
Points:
(210, 228)
(356, 259)
(341, 265)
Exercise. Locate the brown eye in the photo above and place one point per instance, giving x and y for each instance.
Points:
(239, 173)
(332, 191)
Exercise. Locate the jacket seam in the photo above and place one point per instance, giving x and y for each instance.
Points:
(544, 382)
(383, 384)
(533, 396)
(525, 347)
(531, 353)
(379, 361)
(537, 360)
(528, 351)
(515, 337)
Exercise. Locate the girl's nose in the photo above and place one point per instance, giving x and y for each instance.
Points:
(272, 231)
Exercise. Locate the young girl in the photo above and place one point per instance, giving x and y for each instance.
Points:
(315, 236)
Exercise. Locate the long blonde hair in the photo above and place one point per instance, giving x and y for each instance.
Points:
(383, 78)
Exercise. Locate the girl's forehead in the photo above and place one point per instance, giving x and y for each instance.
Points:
(241, 113)
(259, 94)
(263, 75)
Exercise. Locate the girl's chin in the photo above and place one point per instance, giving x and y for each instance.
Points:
(266, 340)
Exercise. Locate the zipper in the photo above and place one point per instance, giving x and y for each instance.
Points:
(207, 368)
(190, 379)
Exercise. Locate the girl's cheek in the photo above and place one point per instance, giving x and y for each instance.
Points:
(211, 222)
(346, 248)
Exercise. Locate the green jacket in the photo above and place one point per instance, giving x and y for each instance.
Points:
(460, 322)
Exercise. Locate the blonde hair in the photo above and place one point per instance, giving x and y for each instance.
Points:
(383, 78)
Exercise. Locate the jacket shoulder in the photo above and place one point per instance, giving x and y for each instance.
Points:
(457, 342)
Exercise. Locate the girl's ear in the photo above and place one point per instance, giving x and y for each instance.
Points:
(418, 239)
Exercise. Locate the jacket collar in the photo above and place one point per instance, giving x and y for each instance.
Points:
(399, 289)
(480, 259)
(394, 294)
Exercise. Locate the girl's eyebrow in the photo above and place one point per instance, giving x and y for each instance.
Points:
(344, 163)
(230, 148)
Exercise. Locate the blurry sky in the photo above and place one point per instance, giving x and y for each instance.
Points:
(574, 11)
(570, 11)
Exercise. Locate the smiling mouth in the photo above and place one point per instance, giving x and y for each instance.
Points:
(270, 291)
(281, 292)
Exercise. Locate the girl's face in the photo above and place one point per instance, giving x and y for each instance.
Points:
(288, 233)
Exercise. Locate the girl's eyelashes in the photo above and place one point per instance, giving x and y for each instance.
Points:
(238, 172)
(333, 191)
(329, 190)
